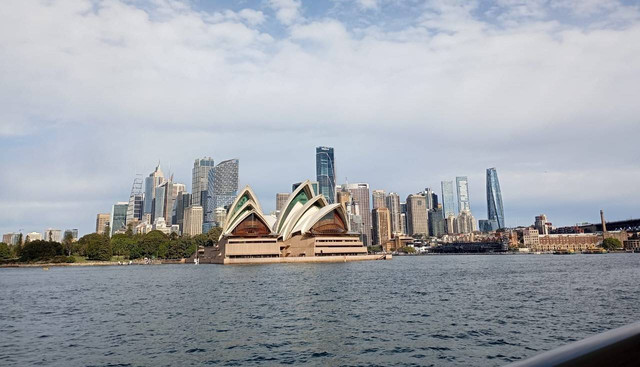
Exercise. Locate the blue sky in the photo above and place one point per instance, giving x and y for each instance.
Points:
(408, 92)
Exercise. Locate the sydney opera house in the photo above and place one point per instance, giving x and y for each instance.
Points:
(308, 229)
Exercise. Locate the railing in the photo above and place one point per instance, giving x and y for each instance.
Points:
(617, 347)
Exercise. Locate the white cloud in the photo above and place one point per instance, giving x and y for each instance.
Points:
(287, 11)
(368, 4)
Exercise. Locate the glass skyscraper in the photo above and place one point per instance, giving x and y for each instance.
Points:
(118, 220)
(199, 179)
(448, 204)
(494, 198)
(326, 173)
(150, 183)
(222, 188)
(462, 187)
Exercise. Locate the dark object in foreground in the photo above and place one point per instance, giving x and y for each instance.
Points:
(617, 347)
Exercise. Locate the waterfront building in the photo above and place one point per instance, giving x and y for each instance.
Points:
(393, 204)
(308, 227)
(495, 210)
(281, 199)
(183, 201)
(73, 232)
(462, 188)
(448, 204)
(381, 225)
(118, 217)
(11, 239)
(326, 173)
(542, 225)
(102, 221)
(436, 222)
(360, 195)
(193, 216)
(33, 236)
(567, 242)
(200, 180)
(222, 188)
(378, 199)
(417, 215)
(51, 234)
(150, 183)
(465, 222)
(449, 224)
(432, 198)
(486, 225)
(530, 238)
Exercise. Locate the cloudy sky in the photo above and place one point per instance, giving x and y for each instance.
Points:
(408, 92)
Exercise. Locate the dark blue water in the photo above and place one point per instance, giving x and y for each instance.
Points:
(427, 310)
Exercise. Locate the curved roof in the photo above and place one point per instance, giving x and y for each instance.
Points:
(298, 197)
(247, 207)
(245, 195)
(242, 217)
(300, 215)
(321, 213)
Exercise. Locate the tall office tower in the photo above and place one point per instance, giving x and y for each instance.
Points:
(150, 183)
(417, 215)
(462, 187)
(314, 185)
(118, 218)
(183, 201)
(360, 195)
(448, 201)
(222, 190)
(450, 224)
(542, 225)
(432, 198)
(403, 218)
(326, 173)
(378, 199)
(494, 198)
(381, 225)
(393, 204)
(54, 235)
(465, 222)
(486, 225)
(171, 195)
(136, 201)
(192, 220)
(436, 222)
(159, 198)
(281, 199)
(200, 179)
(102, 221)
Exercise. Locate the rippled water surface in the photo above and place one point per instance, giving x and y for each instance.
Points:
(426, 310)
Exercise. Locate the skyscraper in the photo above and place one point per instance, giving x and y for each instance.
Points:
(102, 220)
(432, 198)
(378, 198)
(448, 204)
(360, 195)
(436, 222)
(393, 203)
(381, 225)
(222, 188)
(150, 183)
(200, 179)
(281, 199)
(192, 220)
(494, 198)
(326, 173)
(417, 223)
(183, 201)
(118, 218)
(462, 187)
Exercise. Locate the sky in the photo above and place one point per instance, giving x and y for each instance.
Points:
(409, 93)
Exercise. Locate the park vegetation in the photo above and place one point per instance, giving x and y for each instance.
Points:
(611, 244)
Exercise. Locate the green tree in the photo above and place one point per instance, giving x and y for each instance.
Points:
(5, 252)
(213, 235)
(151, 242)
(121, 244)
(40, 250)
(201, 240)
(611, 244)
(408, 250)
(20, 239)
(67, 243)
(98, 247)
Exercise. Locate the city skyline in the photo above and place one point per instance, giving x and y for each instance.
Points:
(472, 90)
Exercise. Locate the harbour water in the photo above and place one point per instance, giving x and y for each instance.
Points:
(419, 310)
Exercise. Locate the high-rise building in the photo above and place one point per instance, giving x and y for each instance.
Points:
(448, 201)
(432, 198)
(159, 198)
(450, 224)
(102, 221)
(11, 239)
(393, 204)
(436, 222)
(222, 188)
(378, 199)
(494, 198)
(281, 200)
(118, 218)
(465, 222)
(462, 188)
(381, 225)
(136, 201)
(220, 215)
(200, 179)
(542, 225)
(150, 183)
(326, 173)
(360, 195)
(403, 218)
(192, 220)
(486, 225)
(166, 195)
(54, 235)
(417, 223)
(183, 201)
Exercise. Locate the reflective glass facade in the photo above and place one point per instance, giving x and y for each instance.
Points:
(118, 217)
(222, 187)
(448, 199)
(462, 187)
(200, 178)
(494, 198)
(326, 173)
